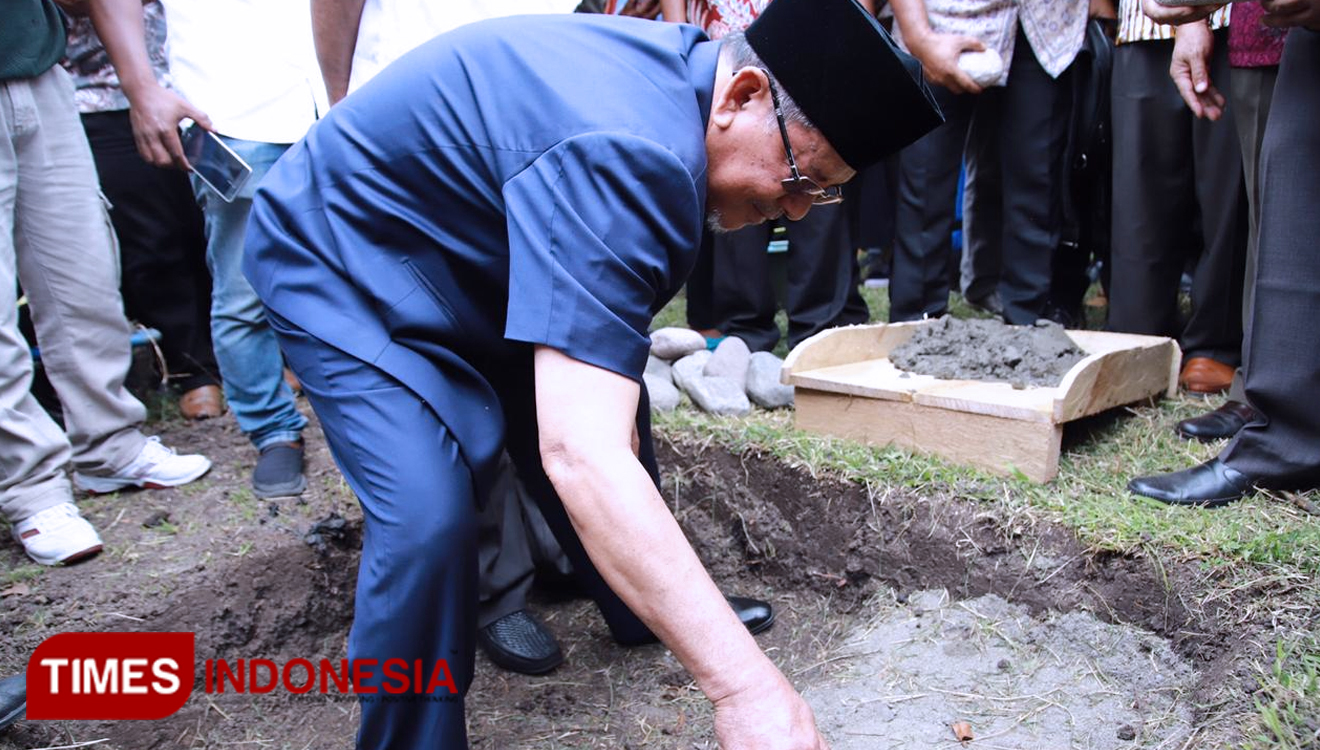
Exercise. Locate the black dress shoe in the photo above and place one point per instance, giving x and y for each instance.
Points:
(520, 642)
(1221, 423)
(755, 614)
(1211, 484)
(13, 699)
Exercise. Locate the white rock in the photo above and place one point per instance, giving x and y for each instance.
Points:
(660, 369)
(719, 396)
(763, 386)
(730, 360)
(672, 343)
(664, 396)
(690, 368)
(984, 67)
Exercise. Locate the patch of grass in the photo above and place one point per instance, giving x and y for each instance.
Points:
(1289, 699)
(22, 573)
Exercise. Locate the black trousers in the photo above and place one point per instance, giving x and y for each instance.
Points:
(165, 283)
(822, 279)
(1282, 348)
(1014, 139)
(513, 541)
(1178, 192)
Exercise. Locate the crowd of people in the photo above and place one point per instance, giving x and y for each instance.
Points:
(458, 263)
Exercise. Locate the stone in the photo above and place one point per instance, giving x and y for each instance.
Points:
(716, 395)
(660, 368)
(675, 343)
(763, 386)
(664, 396)
(690, 368)
(730, 361)
(984, 67)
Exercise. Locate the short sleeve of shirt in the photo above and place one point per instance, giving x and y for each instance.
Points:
(595, 227)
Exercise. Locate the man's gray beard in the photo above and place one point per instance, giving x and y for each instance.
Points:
(713, 219)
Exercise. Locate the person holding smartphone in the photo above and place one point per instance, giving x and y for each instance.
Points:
(247, 71)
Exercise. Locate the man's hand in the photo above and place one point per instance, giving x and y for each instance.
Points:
(939, 53)
(1287, 13)
(771, 717)
(1177, 15)
(155, 113)
(1190, 70)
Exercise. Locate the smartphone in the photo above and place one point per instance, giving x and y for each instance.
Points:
(214, 162)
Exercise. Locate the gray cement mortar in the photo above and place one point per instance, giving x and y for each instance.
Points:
(1057, 681)
(989, 350)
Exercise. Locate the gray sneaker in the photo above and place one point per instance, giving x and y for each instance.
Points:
(13, 699)
(279, 471)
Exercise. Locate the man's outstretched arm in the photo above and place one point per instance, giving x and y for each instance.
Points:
(154, 111)
(586, 418)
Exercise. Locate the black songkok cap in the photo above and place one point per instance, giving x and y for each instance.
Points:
(864, 94)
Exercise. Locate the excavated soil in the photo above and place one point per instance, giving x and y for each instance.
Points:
(899, 614)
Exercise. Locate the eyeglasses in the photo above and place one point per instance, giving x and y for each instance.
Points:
(796, 183)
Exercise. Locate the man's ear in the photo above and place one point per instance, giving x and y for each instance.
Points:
(745, 88)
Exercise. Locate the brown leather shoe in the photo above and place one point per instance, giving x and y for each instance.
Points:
(203, 402)
(1205, 375)
(292, 381)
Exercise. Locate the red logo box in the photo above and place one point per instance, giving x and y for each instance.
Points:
(110, 676)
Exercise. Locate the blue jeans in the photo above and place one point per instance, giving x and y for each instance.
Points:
(245, 347)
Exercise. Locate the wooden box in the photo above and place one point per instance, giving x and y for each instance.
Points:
(846, 386)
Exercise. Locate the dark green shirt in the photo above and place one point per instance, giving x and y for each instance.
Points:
(31, 38)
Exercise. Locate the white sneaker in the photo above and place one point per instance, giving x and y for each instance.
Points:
(57, 535)
(156, 467)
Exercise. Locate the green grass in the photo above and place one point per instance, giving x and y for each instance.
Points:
(1289, 698)
(1268, 543)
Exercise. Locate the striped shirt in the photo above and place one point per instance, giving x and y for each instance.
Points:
(1135, 26)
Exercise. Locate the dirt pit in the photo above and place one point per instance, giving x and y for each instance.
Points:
(899, 614)
(980, 349)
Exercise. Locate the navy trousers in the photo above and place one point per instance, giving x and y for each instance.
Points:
(417, 581)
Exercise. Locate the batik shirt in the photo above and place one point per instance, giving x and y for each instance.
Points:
(1054, 28)
(94, 77)
(722, 17)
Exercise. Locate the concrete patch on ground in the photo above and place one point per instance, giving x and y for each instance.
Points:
(1058, 681)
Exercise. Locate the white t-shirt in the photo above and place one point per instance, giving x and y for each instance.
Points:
(250, 65)
(390, 28)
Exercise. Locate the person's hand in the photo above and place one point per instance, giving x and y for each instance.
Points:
(1286, 13)
(1177, 15)
(769, 716)
(155, 113)
(1190, 70)
(939, 53)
